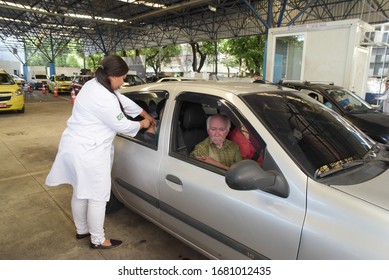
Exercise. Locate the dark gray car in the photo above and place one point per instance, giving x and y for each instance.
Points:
(367, 118)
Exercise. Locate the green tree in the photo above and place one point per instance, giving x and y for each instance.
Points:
(93, 61)
(201, 51)
(248, 51)
(155, 57)
(37, 59)
(230, 62)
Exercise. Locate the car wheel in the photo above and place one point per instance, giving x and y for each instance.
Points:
(113, 205)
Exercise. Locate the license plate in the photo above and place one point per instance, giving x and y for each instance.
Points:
(3, 105)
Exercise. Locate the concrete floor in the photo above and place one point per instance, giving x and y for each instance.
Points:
(36, 221)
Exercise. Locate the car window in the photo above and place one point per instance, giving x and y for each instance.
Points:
(189, 128)
(318, 96)
(5, 79)
(137, 80)
(314, 136)
(63, 78)
(348, 100)
(153, 103)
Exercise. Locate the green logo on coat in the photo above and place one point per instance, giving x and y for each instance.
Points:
(120, 116)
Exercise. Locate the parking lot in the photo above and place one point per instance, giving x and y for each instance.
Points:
(36, 220)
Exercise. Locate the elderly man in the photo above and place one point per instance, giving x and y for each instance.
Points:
(216, 149)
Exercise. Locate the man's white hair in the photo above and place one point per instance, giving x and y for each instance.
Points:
(222, 117)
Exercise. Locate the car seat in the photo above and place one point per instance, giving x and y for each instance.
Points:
(193, 128)
(144, 106)
(153, 109)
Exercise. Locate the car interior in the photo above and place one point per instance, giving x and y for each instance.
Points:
(192, 129)
(191, 126)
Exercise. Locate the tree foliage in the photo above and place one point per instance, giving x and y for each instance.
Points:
(248, 52)
(201, 51)
(155, 57)
(93, 61)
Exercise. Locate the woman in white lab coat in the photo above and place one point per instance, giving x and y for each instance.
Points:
(85, 153)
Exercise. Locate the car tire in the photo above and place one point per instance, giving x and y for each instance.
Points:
(113, 205)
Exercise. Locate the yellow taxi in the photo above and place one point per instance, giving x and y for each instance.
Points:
(11, 96)
(62, 82)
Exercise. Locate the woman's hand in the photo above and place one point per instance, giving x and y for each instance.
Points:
(152, 121)
(145, 115)
(145, 123)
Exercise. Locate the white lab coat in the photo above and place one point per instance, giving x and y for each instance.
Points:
(85, 153)
(385, 101)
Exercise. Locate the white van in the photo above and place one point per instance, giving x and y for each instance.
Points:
(38, 80)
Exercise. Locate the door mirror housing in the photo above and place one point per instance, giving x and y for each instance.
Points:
(248, 175)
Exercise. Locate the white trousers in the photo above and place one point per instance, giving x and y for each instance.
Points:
(88, 216)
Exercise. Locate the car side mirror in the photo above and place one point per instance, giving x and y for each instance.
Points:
(248, 175)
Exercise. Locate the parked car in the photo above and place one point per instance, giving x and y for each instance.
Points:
(374, 123)
(79, 81)
(178, 79)
(133, 80)
(11, 95)
(319, 193)
(62, 82)
(38, 80)
(18, 80)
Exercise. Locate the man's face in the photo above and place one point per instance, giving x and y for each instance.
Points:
(217, 131)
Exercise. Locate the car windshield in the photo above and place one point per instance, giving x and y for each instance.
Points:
(63, 78)
(83, 80)
(40, 76)
(349, 100)
(132, 80)
(6, 79)
(319, 140)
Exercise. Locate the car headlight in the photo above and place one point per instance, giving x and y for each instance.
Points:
(19, 92)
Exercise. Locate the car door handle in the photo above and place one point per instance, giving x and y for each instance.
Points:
(173, 179)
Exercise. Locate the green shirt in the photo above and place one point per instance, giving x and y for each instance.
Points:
(228, 154)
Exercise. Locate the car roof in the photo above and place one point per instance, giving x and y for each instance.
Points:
(311, 85)
(172, 79)
(236, 88)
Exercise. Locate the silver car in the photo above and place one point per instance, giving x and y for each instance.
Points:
(320, 191)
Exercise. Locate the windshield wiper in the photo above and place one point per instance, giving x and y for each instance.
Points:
(378, 151)
(341, 167)
(374, 153)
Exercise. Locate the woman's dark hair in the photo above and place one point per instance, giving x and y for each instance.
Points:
(111, 66)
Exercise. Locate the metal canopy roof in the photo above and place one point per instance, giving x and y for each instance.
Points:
(104, 26)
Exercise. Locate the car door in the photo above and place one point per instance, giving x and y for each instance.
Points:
(198, 206)
(136, 165)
